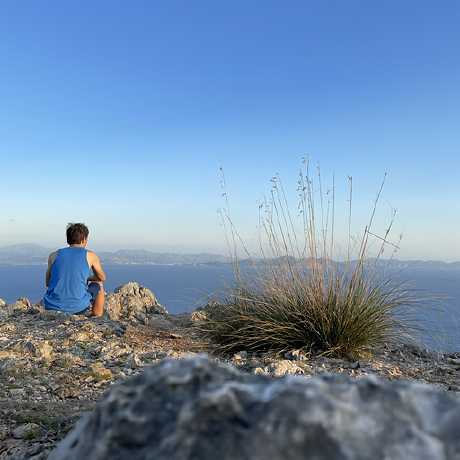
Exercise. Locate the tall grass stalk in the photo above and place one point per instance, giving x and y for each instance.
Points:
(303, 290)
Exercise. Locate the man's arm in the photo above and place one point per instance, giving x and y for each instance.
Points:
(51, 259)
(95, 264)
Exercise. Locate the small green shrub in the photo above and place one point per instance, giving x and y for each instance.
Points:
(40, 418)
(60, 364)
(31, 434)
(13, 386)
(35, 373)
(44, 418)
(62, 425)
(45, 364)
(97, 376)
(10, 371)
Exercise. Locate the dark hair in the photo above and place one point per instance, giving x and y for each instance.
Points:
(76, 233)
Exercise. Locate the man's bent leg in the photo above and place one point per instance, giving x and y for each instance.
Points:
(98, 303)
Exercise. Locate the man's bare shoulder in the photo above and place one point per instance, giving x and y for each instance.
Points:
(52, 256)
(92, 255)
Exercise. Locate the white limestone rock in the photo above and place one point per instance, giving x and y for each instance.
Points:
(133, 362)
(132, 300)
(21, 304)
(284, 367)
(37, 349)
(198, 316)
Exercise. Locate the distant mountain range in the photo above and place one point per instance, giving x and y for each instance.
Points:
(24, 254)
(141, 256)
(35, 254)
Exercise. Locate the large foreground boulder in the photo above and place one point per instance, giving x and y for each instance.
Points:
(197, 409)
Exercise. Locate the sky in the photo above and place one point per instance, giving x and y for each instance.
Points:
(121, 114)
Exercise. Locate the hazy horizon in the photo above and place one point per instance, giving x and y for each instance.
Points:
(225, 254)
(120, 115)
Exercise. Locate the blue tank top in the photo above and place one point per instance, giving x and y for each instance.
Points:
(67, 291)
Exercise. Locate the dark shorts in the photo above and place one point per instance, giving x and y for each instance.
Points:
(93, 289)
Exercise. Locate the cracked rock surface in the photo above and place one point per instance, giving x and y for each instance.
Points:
(195, 408)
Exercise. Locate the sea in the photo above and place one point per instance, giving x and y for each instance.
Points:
(183, 288)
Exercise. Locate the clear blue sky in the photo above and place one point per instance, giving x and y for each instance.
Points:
(120, 113)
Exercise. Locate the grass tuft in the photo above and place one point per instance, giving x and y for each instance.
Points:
(14, 386)
(97, 376)
(303, 291)
(31, 434)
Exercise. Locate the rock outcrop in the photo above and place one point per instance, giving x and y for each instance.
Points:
(134, 301)
(130, 302)
(197, 409)
(20, 304)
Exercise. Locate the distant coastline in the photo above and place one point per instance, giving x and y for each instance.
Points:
(34, 254)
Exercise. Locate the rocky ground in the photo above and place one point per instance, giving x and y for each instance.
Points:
(54, 366)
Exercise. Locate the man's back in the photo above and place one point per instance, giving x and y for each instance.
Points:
(71, 286)
(67, 289)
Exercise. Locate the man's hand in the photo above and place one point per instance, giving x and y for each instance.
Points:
(93, 278)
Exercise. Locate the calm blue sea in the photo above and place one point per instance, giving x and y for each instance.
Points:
(184, 287)
(178, 287)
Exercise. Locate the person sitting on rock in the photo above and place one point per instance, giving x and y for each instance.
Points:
(70, 288)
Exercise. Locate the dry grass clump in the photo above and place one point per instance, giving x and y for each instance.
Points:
(300, 293)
